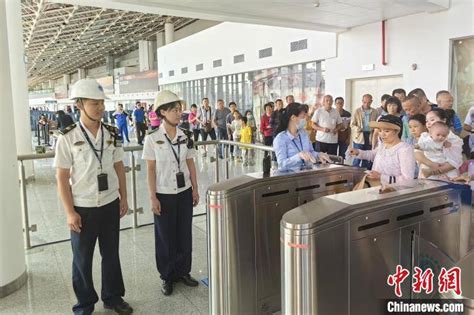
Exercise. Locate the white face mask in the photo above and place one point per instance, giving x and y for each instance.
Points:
(301, 124)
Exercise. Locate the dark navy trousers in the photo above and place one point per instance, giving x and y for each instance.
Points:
(103, 224)
(173, 235)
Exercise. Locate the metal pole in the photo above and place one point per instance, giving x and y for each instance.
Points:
(226, 158)
(134, 191)
(24, 206)
(47, 134)
(217, 162)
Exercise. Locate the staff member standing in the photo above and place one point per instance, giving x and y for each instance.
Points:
(169, 153)
(139, 120)
(91, 184)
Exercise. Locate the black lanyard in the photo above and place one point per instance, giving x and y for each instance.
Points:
(176, 156)
(296, 145)
(92, 146)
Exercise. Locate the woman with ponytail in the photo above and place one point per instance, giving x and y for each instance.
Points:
(292, 145)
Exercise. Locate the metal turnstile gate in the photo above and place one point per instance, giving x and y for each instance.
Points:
(243, 224)
(338, 251)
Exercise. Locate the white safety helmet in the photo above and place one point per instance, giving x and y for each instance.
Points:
(163, 98)
(87, 88)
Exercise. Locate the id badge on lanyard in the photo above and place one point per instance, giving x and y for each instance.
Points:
(180, 181)
(102, 178)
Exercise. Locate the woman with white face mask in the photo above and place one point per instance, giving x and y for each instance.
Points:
(292, 146)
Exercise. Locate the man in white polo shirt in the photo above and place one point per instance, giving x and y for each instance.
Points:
(327, 122)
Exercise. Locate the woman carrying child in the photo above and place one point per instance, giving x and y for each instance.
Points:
(449, 154)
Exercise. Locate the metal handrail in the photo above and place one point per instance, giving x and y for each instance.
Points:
(133, 168)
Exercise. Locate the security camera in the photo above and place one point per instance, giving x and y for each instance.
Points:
(316, 4)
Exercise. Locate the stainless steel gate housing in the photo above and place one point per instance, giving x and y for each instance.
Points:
(244, 216)
(338, 251)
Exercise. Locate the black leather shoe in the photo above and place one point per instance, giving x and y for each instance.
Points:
(189, 281)
(121, 308)
(167, 287)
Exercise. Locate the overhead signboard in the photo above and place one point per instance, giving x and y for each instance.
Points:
(60, 92)
(107, 84)
(146, 81)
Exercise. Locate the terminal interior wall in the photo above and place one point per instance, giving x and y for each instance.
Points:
(227, 40)
(422, 39)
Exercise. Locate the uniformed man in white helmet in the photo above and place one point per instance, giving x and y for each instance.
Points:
(169, 152)
(91, 184)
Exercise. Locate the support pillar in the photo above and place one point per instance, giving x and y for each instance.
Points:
(81, 73)
(66, 79)
(145, 55)
(160, 42)
(109, 65)
(20, 103)
(12, 256)
(169, 33)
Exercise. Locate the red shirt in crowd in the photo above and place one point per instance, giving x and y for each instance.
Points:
(265, 126)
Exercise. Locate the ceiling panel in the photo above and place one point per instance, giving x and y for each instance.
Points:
(61, 38)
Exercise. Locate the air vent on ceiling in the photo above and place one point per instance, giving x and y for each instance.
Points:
(184, 70)
(299, 45)
(239, 58)
(217, 63)
(200, 67)
(264, 53)
(161, 75)
(171, 73)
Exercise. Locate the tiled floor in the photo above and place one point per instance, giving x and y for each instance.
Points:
(49, 288)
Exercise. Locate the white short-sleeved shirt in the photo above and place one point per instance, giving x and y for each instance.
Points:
(157, 148)
(326, 119)
(73, 152)
(432, 150)
(436, 152)
(470, 117)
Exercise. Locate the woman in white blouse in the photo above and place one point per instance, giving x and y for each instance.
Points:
(169, 153)
(394, 160)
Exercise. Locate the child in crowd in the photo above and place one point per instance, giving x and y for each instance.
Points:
(236, 128)
(246, 136)
(193, 123)
(417, 125)
(452, 151)
(153, 118)
(432, 143)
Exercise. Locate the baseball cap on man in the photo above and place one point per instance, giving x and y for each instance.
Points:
(387, 122)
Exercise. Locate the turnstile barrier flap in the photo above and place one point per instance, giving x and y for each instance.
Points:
(279, 177)
(334, 207)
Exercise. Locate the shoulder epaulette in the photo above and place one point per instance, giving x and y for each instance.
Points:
(189, 135)
(112, 129)
(67, 129)
(152, 131)
(187, 132)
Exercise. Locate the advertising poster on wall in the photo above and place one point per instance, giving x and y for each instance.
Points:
(146, 81)
(108, 84)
